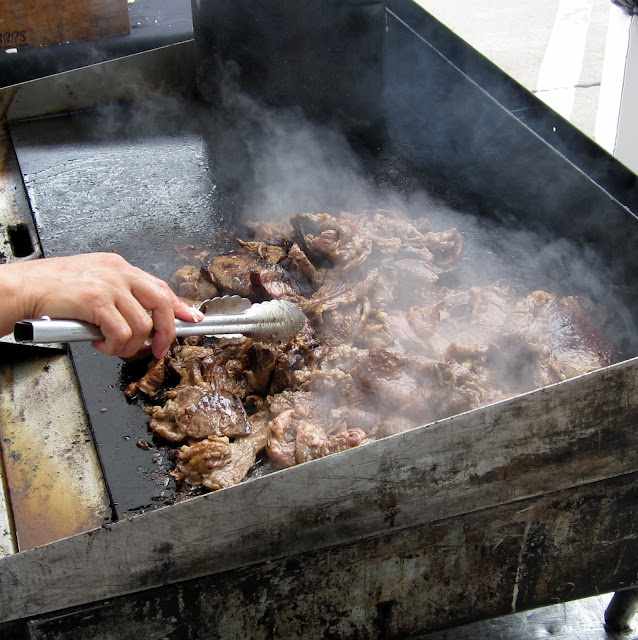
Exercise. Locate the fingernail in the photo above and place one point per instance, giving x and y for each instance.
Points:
(198, 316)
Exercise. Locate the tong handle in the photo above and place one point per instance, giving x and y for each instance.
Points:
(275, 319)
(46, 331)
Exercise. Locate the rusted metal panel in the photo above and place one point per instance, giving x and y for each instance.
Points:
(7, 545)
(570, 434)
(489, 562)
(54, 481)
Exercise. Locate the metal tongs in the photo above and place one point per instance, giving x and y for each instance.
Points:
(271, 321)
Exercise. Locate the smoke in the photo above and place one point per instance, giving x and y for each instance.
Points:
(280, 163)
(277, 162)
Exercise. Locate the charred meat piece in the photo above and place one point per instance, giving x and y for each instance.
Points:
(151, 381)
(217, 463)
(193, 412)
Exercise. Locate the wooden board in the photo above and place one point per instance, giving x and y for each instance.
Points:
(47, 22)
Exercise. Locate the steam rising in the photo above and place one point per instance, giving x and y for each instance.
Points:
(279, 163)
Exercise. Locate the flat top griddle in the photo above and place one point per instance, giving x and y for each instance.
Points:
(143, 179)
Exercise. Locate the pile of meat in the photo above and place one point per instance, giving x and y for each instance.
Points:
(387, 345)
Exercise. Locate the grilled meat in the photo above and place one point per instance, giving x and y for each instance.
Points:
(248, 275)
(196, 413)
(216, 462)
(388, 345)
(152, 380)
(192, 283)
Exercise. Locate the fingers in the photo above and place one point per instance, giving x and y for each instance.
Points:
(165, 306)
(164, 324)
(106, 290)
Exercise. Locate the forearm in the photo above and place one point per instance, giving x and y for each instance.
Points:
(11, 276)
(99, 288)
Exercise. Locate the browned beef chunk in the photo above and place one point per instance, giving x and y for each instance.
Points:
(298, 430)
(152, 380)
(312, 442)
(418, 388)
(271, 253)
(446, 246)
(281, 440)
(191, 284)
(240, 365)
(417, 270)
(301, 268)
(216, 462)
(335, 293)
(390, 230)
(563, 335)
(247, 275)
(326, 239)
(193, 412)
(576, 344)
(231, 273)
(286, 366)
(196, 462)
(275, 232)
(218, 367)
(259, 367)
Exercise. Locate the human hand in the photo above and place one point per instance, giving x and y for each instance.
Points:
(103, 289)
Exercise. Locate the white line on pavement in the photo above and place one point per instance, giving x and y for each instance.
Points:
(561, 67)
(613, 76)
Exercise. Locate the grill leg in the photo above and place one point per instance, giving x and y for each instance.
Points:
(621, 610)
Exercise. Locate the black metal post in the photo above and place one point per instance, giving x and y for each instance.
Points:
(621, 610)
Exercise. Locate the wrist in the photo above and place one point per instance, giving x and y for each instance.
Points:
(13, 294)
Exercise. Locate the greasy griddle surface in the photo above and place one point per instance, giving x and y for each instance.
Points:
(146, 178)
(139, 183)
